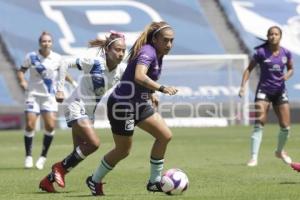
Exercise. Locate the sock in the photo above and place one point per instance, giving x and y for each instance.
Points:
(282, 138)
(28, 136)
(256, 140)
(50, 177)
(73, 159)
(48, 137)
(103, 169)
(156, 169)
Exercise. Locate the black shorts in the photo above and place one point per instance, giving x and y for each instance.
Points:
(124, 116)
(276, 99)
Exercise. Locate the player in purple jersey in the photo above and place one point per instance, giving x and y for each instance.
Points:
(128, 106)
(100, 73)
(272, 59)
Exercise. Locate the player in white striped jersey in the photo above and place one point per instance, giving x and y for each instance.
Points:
(43, 66)
(99, 75)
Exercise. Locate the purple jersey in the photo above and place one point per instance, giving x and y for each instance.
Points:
(272, 69)
(128, 88)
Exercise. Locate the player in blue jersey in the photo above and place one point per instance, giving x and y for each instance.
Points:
(100, 74)
(43, 66)
(128, 105)
(273, 61)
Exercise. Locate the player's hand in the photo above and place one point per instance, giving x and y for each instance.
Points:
(285, 77)
(59, 96)
(242, 92)
(24, 85)
(154, 99)
(170, 90)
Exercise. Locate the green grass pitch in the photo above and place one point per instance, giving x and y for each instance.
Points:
(213, 158)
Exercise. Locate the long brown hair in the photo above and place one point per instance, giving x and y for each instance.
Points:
(107, 42)
(151, 31)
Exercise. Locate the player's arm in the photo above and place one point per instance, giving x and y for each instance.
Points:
(246, 76)
(71, 80)
(62, 73)
(290, 70)
(143, 79)
(21, 78)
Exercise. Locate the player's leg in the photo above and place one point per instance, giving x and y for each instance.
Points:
(261, 113)
(49, 108)
(30, 121)
(156, 126)
(121, 150)
(122, 126)
(49, 122)
(88, 142)
(283, 113)
(32, 111)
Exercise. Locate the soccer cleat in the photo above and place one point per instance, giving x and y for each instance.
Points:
(59, 174)
(284, 157)
(296, 166)
(40, 163)
(46, 185)
(28, 162)
(252, 163)
(154, 187)
(96, 188)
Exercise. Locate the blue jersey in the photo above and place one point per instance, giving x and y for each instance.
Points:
(128, 88)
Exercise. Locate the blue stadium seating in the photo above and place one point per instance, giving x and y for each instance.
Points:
(5, 95)
(252, 18)
(193, 34)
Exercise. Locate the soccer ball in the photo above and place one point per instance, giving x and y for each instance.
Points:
(174, 181)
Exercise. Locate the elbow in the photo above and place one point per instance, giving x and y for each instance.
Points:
(138, 79)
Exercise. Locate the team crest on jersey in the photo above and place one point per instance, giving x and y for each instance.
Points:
(284, 59)
(80, 21)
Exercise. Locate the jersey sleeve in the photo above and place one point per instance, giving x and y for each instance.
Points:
(26, 62)
(289, 55)
(257, 56)
(146, 56)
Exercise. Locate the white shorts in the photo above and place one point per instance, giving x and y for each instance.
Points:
(38, 104)
(76, 110)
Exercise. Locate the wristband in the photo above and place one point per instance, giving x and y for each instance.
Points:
(161, 88)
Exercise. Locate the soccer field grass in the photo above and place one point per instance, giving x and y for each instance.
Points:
(213, 158)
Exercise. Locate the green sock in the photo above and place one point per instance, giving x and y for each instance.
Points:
(256, 140)
(156, 169)
(101, 171)
(282, 138)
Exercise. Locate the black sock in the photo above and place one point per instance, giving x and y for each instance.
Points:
(50, 177)
(46, 144)
(28, 145)
(71, 160)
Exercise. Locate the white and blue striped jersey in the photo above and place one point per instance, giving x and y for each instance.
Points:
(95, 81)
(42, 73)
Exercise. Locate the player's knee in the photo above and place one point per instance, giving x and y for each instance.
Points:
(50, 127)
(124, 154)
(94, 145)
(30, 127)
(166, 137)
